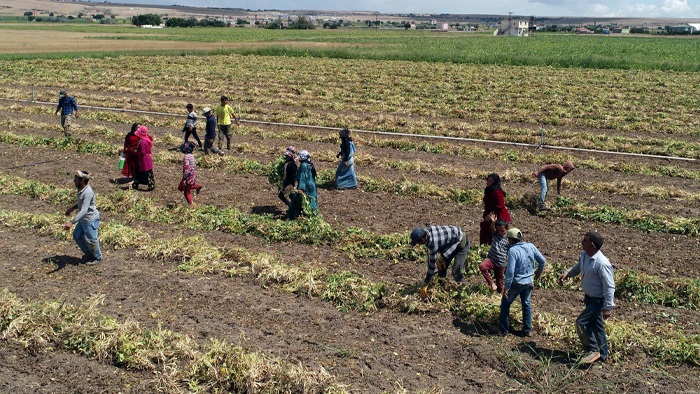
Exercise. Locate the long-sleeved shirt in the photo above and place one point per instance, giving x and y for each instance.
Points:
(211, 127)
(87, 210)
(521, 264)
(441, 239)
(191, 120)
(189, 166)
(67, 105)
(596, 277)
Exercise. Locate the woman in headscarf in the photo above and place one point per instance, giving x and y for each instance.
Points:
(131, 164)
(288, 171)
(306, 180)
(144, 155)
(345, 177)
(494, 202)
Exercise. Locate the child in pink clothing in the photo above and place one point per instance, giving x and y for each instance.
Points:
(189, 165)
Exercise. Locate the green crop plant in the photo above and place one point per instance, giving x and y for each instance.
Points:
(349, 291)
(357, 242)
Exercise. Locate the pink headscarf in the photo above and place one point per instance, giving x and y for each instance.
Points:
(141, 132)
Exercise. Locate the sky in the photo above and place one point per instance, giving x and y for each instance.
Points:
(685, 9)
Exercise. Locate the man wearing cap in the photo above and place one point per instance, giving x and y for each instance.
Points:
(68, 107)
(210, 134)
(599, 296)
(87, 221)
(224, 113)
(520, 275)
(444, 243)
(549, 172)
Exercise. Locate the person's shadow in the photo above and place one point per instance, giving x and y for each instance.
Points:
(552, 356)
(61, 261)
(267, 210)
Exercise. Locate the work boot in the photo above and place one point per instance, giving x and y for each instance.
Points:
(544, 207)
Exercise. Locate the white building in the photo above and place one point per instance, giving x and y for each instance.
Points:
(514, 27)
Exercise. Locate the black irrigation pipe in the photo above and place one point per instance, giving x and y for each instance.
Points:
(541, 145)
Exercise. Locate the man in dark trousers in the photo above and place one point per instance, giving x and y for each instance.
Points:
(210, 135)
(444, 244)
(599, 288)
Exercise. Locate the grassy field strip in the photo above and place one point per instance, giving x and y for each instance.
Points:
(402, 144)
(195, 253)
(624, 188)
(470, 92)
(555, 51)
(566, 207)
(179, 362)
(645, 145)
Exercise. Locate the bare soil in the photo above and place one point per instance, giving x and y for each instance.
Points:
(375, 352)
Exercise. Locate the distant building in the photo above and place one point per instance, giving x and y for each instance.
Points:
(442, 26)
(685, 28)
(583, 30)
(621, 30)
(514, 27)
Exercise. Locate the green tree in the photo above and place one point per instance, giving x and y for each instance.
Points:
(146, 19)
(302, 23)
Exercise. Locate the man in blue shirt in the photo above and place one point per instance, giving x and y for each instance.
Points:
(210, 135)
(599, 288)
(520, 275)
(68, 107)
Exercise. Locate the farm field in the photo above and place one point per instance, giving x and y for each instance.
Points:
(227, 297)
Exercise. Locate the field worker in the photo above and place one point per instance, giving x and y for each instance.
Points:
(498, 254)
(189, 176)
(224, 113)
(289, 174)
(599, 289)
(306, 180)
(68, 107)
(549, 172)
(210, 135)
(494, 202)
(190, 128)
(345, 177)
(444, 244)
(87, 221)
(520, 275)
(144, 156)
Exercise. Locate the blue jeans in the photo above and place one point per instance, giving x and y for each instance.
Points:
(524, 292)
(590, 328)
(85, 235)
(544, 188)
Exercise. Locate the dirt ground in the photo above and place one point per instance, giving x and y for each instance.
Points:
(384, 351)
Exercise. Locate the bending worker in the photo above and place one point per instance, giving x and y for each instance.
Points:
(444, 243)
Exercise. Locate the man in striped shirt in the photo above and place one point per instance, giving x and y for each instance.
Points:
(496, 260)
(444, 244)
